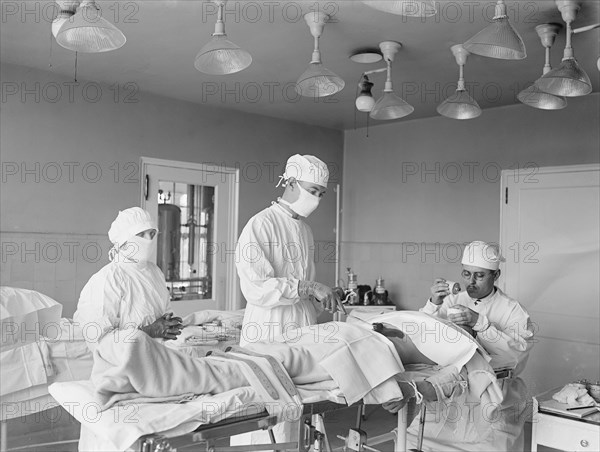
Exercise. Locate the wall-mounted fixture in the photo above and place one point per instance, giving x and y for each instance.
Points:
(499, 39)
(460, 105)
(220, 56)
(410, 8)
(317, 80)
(85, 30)
(389, 106)
(533, 95)
(568, 79)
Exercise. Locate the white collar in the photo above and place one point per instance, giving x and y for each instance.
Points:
(487, 298)
(289, 213)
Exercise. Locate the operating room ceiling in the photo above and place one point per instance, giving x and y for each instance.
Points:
(163, 38)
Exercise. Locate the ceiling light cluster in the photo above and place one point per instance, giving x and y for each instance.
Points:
(498, 40)
(79, 26)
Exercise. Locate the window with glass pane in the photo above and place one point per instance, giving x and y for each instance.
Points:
(185, 238)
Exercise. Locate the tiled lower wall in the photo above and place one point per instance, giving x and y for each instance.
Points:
(57, 265)
(408, 268)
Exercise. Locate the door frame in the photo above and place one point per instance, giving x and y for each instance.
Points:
(232, 286)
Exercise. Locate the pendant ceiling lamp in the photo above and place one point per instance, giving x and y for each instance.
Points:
(220, 56)
(499, 39)
(568, 79)
(534, 96)
(87, 31)
(409, 8)
(66, 10)
(460, 105)
(390, 106)
(317, 80)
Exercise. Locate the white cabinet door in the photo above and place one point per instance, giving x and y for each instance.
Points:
(218, 250)
(549, 236)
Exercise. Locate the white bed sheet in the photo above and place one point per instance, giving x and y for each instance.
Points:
(120, 426)
(28, 370)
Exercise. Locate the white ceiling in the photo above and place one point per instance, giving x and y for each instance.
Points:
(163, 38)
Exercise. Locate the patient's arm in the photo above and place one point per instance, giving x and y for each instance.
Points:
(424, 387)
(407, 350)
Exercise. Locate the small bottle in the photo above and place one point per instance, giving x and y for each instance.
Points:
(380, 296)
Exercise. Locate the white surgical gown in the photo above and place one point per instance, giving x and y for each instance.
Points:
(121, 294)
(275, 252)
(504, 329)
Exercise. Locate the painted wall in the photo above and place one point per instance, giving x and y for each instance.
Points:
(416, 191)
(70, 161)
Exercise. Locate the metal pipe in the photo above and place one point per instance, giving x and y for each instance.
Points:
(191, 191)
(588, 28)
(337, 234)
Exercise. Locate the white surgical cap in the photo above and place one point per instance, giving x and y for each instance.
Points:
(128, 223)
(482, 255)
(307, 168)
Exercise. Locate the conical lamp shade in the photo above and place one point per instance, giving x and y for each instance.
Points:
(318, 81)
(410, 8)
(568, 79)
(459, 106)
(536, 98)
(220, 56)
(498, 40)
(88, 32)
(390, 106)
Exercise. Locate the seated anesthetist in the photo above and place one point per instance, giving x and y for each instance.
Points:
(503, 327)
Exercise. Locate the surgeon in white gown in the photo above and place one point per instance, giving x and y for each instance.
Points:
(275, 264)
(130, 290)
(275, 257)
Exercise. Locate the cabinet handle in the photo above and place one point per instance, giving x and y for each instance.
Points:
(584, 443)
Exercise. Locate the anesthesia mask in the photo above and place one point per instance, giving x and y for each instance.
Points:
(305, 204)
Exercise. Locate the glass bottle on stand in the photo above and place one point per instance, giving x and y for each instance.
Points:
(380, 295)
(352, 291)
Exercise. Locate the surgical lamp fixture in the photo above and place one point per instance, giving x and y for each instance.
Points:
(460, 105)
(317, 80)
(568, 79)
(86, 30)
(66, 10)
(534, 96)
(499, 39)
(365, 102)
(220, 56)
(389, 106)
(409, 8)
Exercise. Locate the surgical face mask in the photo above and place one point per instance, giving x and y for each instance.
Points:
(305, 204)
(138, 249)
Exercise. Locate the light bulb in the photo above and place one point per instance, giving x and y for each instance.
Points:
(365, 103)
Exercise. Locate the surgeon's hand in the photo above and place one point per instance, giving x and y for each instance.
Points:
(463, 316)
(165, 327)
(439, 291)
(327, 296)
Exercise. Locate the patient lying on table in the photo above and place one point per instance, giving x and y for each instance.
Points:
(355, 359)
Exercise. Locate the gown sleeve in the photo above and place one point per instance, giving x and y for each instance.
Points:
(99, 305)
(255, 268)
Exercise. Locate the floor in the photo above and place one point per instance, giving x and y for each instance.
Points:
(43, 432)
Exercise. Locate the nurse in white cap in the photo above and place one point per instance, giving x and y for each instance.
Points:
(130, 291)
(275, 257)
(503, 327)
